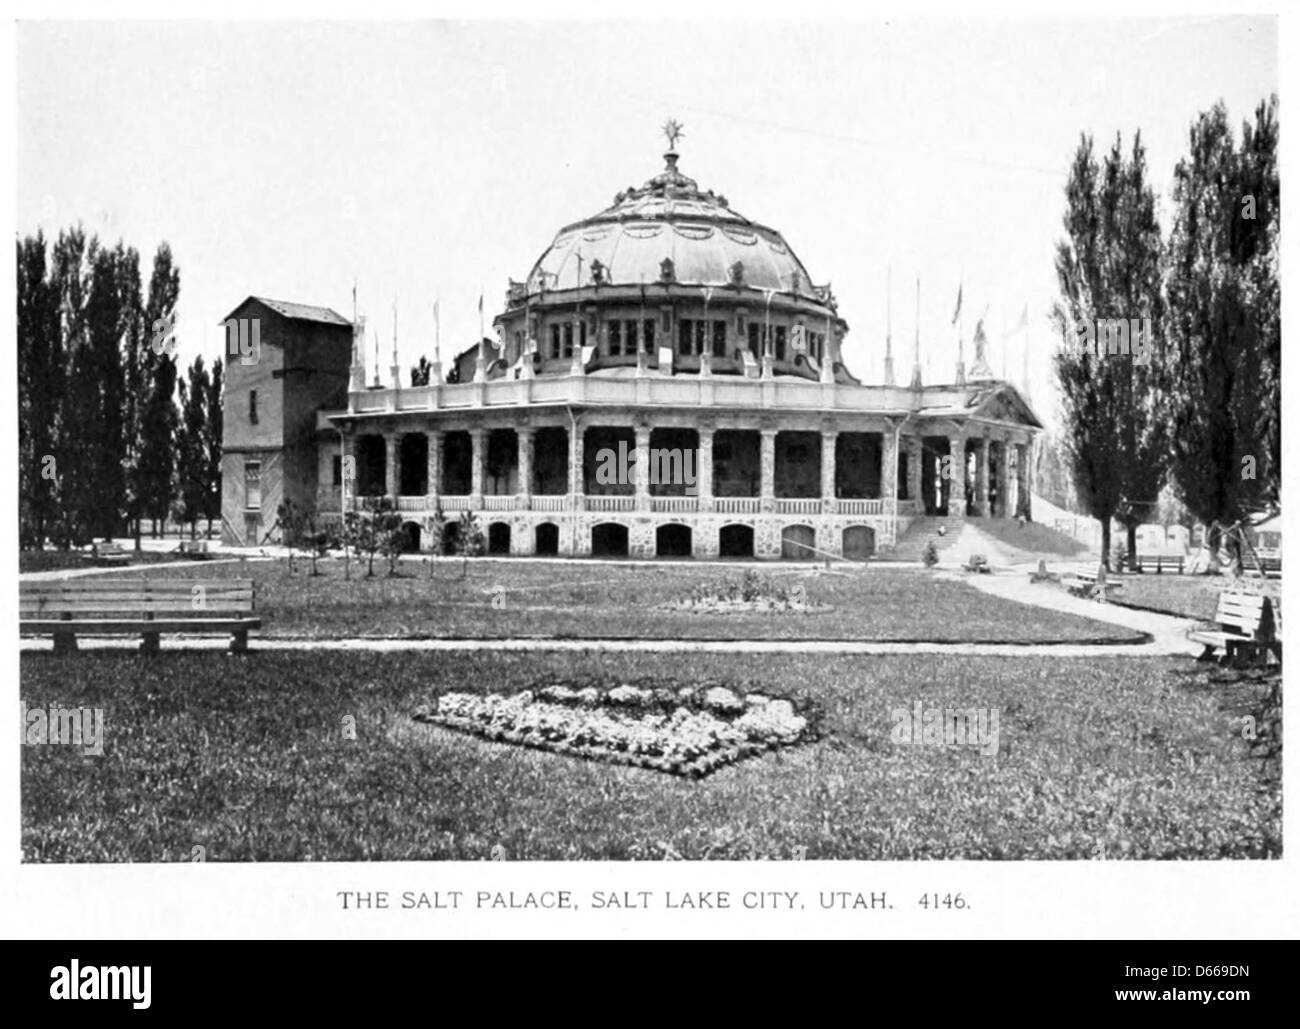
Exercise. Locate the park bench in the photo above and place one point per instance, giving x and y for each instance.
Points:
(67, 608)
(1088, 581)
(1159, 562)
(193, 548)
(106, 553)
(1246, 626)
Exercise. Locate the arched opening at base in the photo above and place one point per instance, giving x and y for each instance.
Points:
(859, 542)
(608, 540)
(498, 541)
(546, 539)
(673, 541)
(736, 541)
(410, 538)
(450, 537)
(798, 542)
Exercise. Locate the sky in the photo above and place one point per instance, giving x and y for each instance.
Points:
(429, 160)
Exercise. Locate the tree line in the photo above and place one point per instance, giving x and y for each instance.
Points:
(1193, 405)
(109, 431)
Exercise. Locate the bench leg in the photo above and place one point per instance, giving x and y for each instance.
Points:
(149, 643)
(65, 643)
(239, 641)
(1207, 654)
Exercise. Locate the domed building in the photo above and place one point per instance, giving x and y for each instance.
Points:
(666, 381)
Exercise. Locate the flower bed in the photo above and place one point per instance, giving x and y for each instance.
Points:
(752, 592)
(690, 730)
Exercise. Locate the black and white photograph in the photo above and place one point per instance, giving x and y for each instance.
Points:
(808, 474)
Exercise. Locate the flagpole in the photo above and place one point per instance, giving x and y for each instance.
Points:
(1026, 367)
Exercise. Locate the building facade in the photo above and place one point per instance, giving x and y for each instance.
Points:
(667, 381)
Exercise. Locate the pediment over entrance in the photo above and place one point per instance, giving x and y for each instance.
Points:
(992, 402)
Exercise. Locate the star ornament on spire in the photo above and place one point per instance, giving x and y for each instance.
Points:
(673, 132)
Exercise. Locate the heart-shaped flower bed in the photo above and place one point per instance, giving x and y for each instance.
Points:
(682, 730)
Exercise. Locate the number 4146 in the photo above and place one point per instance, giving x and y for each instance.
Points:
(942, 900)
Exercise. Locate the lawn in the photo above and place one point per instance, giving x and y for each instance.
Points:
(59, 560)
(588, 600)
(248, 758)
(1191, 596)
(1031, 538)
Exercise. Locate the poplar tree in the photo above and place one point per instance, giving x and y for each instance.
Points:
(1225, 325)
(1108, 269)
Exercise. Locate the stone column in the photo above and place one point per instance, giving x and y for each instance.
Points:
(348, 468)
(524, 441)
(1004, 479)
(1022, 477)
(477, 462)
(641, 469)
(957, 475)
(1027, 479)
(767, 470)
(982, 478)
(704, 469)
(828, 470)
(433, 464)
(889, 470)
(391, 451)
(576, 458)
(914, 485)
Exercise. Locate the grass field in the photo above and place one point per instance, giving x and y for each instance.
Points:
(1032, 539)
(587, 600)
(1192, 596)
(247, 757)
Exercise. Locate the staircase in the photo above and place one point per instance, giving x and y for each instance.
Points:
(911, 543)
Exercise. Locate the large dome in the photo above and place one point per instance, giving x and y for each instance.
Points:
(669, 218)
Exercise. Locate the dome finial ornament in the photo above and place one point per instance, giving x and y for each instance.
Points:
(672, 130)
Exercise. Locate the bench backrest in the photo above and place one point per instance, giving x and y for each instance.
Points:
(1247, 613)
(97, 597)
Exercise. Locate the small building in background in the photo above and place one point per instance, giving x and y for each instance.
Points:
(284, 364)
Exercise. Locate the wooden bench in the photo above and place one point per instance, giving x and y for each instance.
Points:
(1246, 627)
(97, 606)
(193, 548)
(1089, 581)
(1159, 562)
(106, 554)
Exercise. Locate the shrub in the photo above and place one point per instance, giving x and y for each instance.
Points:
(930, 555)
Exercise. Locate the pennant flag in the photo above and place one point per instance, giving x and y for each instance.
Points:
(957, 312)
